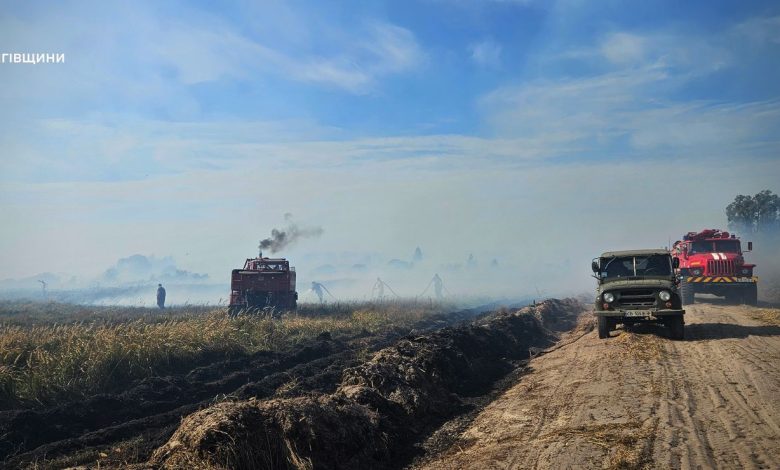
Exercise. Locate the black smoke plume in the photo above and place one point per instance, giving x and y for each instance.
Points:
(281, 239)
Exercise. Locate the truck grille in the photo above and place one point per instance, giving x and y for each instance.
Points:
(719, 266)
(637, 298)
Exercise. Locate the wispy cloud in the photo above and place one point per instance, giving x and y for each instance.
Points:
(630, 100)
(486, 53)
(379, 49)
(761, 30)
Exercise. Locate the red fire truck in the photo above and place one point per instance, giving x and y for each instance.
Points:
(263, 284)
(712, 262)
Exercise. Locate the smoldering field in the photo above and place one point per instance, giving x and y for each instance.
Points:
(106, 386)
(77, 381)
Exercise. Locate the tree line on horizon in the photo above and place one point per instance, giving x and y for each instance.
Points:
(759, 214)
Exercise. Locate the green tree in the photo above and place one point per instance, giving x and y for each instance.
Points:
(755, 214)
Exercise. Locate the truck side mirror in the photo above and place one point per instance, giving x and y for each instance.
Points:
(750, 246)
(675, 263)
(594, 266)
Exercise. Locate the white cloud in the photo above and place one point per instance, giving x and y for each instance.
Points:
(133, 58)
(631, 101)
(486, 53)
(598, 115)
(761, 30)
(623, 48)
(364, 57)
(392, 49)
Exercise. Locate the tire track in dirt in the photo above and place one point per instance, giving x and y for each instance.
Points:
(638, 400)
(738, 421)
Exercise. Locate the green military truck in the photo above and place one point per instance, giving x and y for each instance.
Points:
(638, 286)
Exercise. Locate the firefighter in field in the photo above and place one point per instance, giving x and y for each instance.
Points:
(438, 286)
(160, 296)
(378, 291)
(320, 290)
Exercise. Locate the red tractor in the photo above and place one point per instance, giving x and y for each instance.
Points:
(265, 284)
(712, 262)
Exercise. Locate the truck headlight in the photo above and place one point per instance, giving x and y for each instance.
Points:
(696, 272)
(745, 271)
(664, 295)
(609, 297)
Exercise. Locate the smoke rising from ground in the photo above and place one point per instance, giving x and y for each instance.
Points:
(766, 257)
(283, 238)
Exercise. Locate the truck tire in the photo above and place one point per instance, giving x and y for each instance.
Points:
(603, 327)
(686, 293)
(750, 295)
(676, 327)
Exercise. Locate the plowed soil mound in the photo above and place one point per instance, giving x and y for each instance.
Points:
(128, 427)
(380, 407)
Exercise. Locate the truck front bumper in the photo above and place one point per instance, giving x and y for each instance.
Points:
(722, 280)
(639, 314)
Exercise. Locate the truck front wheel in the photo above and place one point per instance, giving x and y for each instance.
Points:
(603, 327)
(676, 327)
(686, 292)
(750, 295)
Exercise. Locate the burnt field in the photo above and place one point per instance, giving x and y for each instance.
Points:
(347, 386)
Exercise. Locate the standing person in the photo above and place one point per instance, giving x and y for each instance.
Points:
(438, 286)
(318, 289)
(160, 296)
(378, 291)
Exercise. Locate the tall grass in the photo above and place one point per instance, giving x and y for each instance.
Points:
(45, 362)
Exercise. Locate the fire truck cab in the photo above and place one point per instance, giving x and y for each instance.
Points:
(713, 262)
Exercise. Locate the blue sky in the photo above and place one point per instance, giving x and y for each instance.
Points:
(462, 125)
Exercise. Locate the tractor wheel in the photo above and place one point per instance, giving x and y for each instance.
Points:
(676, 327)
(750, 295)
(686, 293)
(603, 327)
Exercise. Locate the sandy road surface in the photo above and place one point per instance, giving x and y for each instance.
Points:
(639, 400)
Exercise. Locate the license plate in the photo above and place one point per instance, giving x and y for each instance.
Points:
(744, 279)
(636, 313)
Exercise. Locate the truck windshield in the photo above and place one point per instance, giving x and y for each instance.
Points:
(727, 246)
(625, 266)
(716, 246)
(701, 247)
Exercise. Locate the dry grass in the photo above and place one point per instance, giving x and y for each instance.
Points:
(44, 362)
(644, 347)
(766, 315)
(626, 443)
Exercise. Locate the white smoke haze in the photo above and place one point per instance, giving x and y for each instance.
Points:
(543, 223)
(131, 281)
(766, 257)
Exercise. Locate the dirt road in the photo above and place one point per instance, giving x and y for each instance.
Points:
(639, 400)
